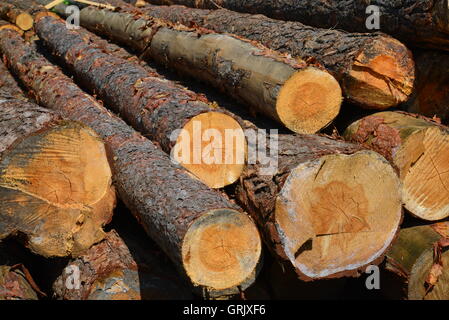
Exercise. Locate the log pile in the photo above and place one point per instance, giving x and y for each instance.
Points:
(423, 24)
(115, 167)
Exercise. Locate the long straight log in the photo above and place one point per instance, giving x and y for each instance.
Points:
(431, 95)
(296, 93)
(151, 104)
(214, 244)
(109, 271)
(55, 179)
(327, 209)
(418, 23)
(412, 259)
(375, 71)
(419, 148)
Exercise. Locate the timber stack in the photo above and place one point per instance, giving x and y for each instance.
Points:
(141, 150)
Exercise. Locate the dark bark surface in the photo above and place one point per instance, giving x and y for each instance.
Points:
(421, 23)
(163, 197)
(151, 104)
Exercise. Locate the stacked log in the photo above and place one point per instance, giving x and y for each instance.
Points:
(212, 243)
(375, 71)
(419, 263)
(423, 24)
(313, 218)
(16, 16)
(295, 156)
(299, 94)
(55, 179)
(152, 105)
(262, 209)
(418, 147)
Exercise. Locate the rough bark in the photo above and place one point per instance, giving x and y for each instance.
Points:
(418, 23)
(418, 147)
(315, 219)
(177, 211)
(296, 93)
(110, 271)
(431, 95)
(55, 179)
(151, 104)
(14, 284)
(375, 71)
(412, 261)
(16, 16)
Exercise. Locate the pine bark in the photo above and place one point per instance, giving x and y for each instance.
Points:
(346, 55)
(110, 271)
(55, 207)
(265, 80)
(410, 260)
(174, 209)
(294, 231)
(418, 148)
(423, 24)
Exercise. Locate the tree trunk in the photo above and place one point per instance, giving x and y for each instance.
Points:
(209, 239)
(151, 104)
(431, 95)
(375, 71)
(16, 16)
(312, 216)
(298, 94)
(110, 271)
(419, 148)
(418, 23)
(55, 179)
(411, 258)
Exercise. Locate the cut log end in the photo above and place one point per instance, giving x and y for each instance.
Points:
(212, 146)
(337, 214)
(424, 166)
(221, 250)
(14, 285)
(60, 177)
(417, 288)
(382, 75)
(24, 21)
(309, 101)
